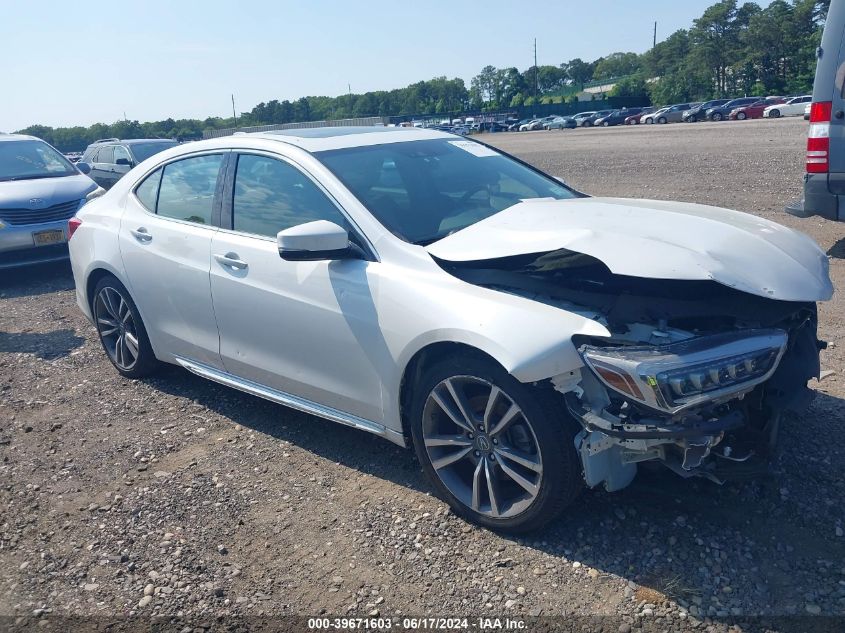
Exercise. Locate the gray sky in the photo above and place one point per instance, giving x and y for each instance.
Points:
(75, 63)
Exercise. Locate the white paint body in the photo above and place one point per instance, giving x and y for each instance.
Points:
(793, 107)
(340, 334)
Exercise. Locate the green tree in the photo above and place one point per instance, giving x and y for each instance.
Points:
(579, 71)
(617, 65)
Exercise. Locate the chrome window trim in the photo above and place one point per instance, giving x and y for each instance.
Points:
(142, 179)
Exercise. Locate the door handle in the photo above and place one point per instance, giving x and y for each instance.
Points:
(232, 260)
(141, 234)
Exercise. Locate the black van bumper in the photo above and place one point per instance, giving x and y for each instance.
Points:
(818, 200)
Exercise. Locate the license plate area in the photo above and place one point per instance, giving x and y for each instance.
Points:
(53, 236)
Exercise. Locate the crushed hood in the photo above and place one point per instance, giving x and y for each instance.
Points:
(654, 239)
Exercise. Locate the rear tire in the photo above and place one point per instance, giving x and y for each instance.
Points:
(121, 330)
(504, 451)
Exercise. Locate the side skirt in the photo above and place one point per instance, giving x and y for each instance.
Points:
(289, 400)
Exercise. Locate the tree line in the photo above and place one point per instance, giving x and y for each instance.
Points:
(732, 49)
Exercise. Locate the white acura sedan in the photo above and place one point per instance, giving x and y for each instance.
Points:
(526, 339)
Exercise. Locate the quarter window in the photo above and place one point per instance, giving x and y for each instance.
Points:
(147, 191)
(187, 189)
(271, 195)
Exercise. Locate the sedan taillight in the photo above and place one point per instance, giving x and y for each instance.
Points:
(73, 224)
(818, 138)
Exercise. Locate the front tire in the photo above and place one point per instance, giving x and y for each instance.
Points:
(774, 114)
(662, 120)
(741, 116)
(121, 330)
(716, 117)
(499, 452)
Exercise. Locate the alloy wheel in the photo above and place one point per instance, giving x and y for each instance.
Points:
(482, 446)
(117, 328)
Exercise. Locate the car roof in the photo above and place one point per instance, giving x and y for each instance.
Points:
(316, 139)
(130, 141)
(147, 140)
(17, 137)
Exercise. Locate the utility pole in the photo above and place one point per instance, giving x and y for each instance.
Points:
(654, 40)
(536, 81)
(234, 116)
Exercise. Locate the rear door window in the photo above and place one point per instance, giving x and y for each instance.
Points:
(187, 189)
(105, 155)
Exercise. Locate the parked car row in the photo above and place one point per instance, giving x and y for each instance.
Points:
(715, 110)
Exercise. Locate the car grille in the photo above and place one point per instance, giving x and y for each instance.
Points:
(57, 212)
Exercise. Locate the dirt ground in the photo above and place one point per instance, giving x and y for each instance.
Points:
(175, 496)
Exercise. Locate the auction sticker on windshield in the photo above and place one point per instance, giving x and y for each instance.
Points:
(476, 149)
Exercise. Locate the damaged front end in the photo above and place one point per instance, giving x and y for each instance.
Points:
(695, 375)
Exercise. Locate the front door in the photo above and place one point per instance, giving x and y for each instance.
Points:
(304, 328)
(122, 162)
(165, 240)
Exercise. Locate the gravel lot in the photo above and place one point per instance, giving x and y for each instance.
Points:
(176, 496)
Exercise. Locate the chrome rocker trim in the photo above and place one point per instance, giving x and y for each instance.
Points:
(289, 400)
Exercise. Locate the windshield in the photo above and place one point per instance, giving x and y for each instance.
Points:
(28, 160)
(143, 151)
(424, 190)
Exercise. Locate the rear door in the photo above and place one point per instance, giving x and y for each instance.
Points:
(102, 166)
(165, 241)
(830, 86)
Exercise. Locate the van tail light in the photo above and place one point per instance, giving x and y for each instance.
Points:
(73, 224)
(818, 138)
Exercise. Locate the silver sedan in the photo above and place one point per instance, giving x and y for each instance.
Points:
(527, 340)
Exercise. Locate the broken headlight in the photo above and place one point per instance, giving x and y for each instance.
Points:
(680, 375)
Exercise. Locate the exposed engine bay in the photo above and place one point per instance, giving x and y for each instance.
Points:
(696, 375)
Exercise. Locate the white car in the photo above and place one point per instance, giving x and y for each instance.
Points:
(526, 339)
(651, 117)
(793, 107)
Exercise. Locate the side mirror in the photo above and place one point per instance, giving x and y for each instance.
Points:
(318, 240)
(123, 161)
(85, 168)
